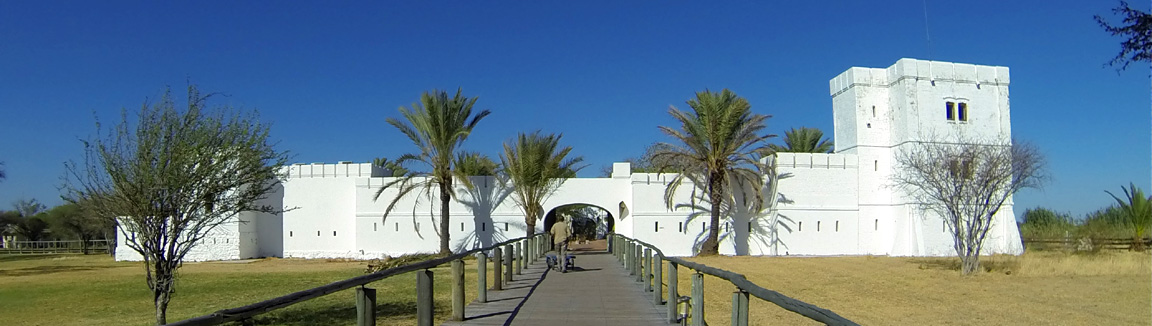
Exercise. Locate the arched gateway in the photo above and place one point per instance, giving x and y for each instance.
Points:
(833, 204)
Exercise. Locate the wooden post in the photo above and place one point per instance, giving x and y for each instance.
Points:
(458, 290)
(518, 258)
(497, 269)
(648, 272)
(657, 279)
(365, 306)
(673, 296)
(629, 260)
(739, 308)
(697, 299)
(424, 305)
(507, 264)
(643, 266)
(639, 252)
(482, 277)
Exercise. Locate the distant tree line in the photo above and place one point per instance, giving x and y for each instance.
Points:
(29, 220)
(1129, 217)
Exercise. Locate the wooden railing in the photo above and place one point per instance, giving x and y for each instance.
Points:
(645, 260)
(509, 258)
(1083, 243)
(53, 247)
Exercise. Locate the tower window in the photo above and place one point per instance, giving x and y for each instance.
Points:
(962, 111)
(873, 111)
(950, 110)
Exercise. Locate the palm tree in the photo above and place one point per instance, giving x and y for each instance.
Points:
(475, 164)
(1138, 210)
(718, 149)
(804, 140)
(438, 124)
(537, 166)
(393, 168)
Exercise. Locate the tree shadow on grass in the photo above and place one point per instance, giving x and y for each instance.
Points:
(10, 258)
(331, 314)
(41, 270)
(1008, 266)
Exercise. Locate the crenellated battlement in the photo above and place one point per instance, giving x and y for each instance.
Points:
(920, 70)
(817, 161)
(338, 170)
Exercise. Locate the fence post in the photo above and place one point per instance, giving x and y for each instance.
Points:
(458, 289)
(628, 260)
(497, 269)
(529, 251)
(657, 279)
(639, 266)
(648, 271)
(673, 296)
(697, 299)
(424, 305)
(739, 308)
(518, 260)
(482, 277)
(365, 306)
(507, 264)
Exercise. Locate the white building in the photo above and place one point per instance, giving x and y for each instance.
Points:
(836, 204)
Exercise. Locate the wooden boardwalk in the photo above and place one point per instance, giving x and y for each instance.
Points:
(598, 292)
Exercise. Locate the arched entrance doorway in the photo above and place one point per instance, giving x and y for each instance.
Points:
(589, 223)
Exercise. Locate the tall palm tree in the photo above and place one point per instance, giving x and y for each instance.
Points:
(537, 165)
(718, 149)
(438, 124)
(804, 140)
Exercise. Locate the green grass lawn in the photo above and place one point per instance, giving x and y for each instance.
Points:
(95, 290)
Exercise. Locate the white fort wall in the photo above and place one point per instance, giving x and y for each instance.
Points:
(833, 204)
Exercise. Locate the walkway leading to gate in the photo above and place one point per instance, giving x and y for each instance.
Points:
(598, 292)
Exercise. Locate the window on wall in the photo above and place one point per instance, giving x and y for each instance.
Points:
(950, 110)
(962, 111)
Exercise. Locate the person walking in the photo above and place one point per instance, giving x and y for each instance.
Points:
(560, 240)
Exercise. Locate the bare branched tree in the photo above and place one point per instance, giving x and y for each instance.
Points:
(172, 177)
(1136, 31)
(965, 183)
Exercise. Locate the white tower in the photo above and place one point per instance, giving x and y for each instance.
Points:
(879, 111)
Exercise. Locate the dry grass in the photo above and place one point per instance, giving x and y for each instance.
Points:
(94, 290)
(1033, 289)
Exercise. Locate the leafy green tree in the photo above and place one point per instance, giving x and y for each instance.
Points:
(537, 165)
(1137, 31)
(1137, 209)
(85, 226)
(32, 228)
(804, 140)
(174, 175)
(437, 125)
(718, 149)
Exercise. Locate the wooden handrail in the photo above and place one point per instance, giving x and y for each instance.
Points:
(803, 308)
(240, 313)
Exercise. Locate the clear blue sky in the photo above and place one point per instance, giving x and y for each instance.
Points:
(602, 73)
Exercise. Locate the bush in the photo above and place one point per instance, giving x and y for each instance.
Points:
(1044, 223)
